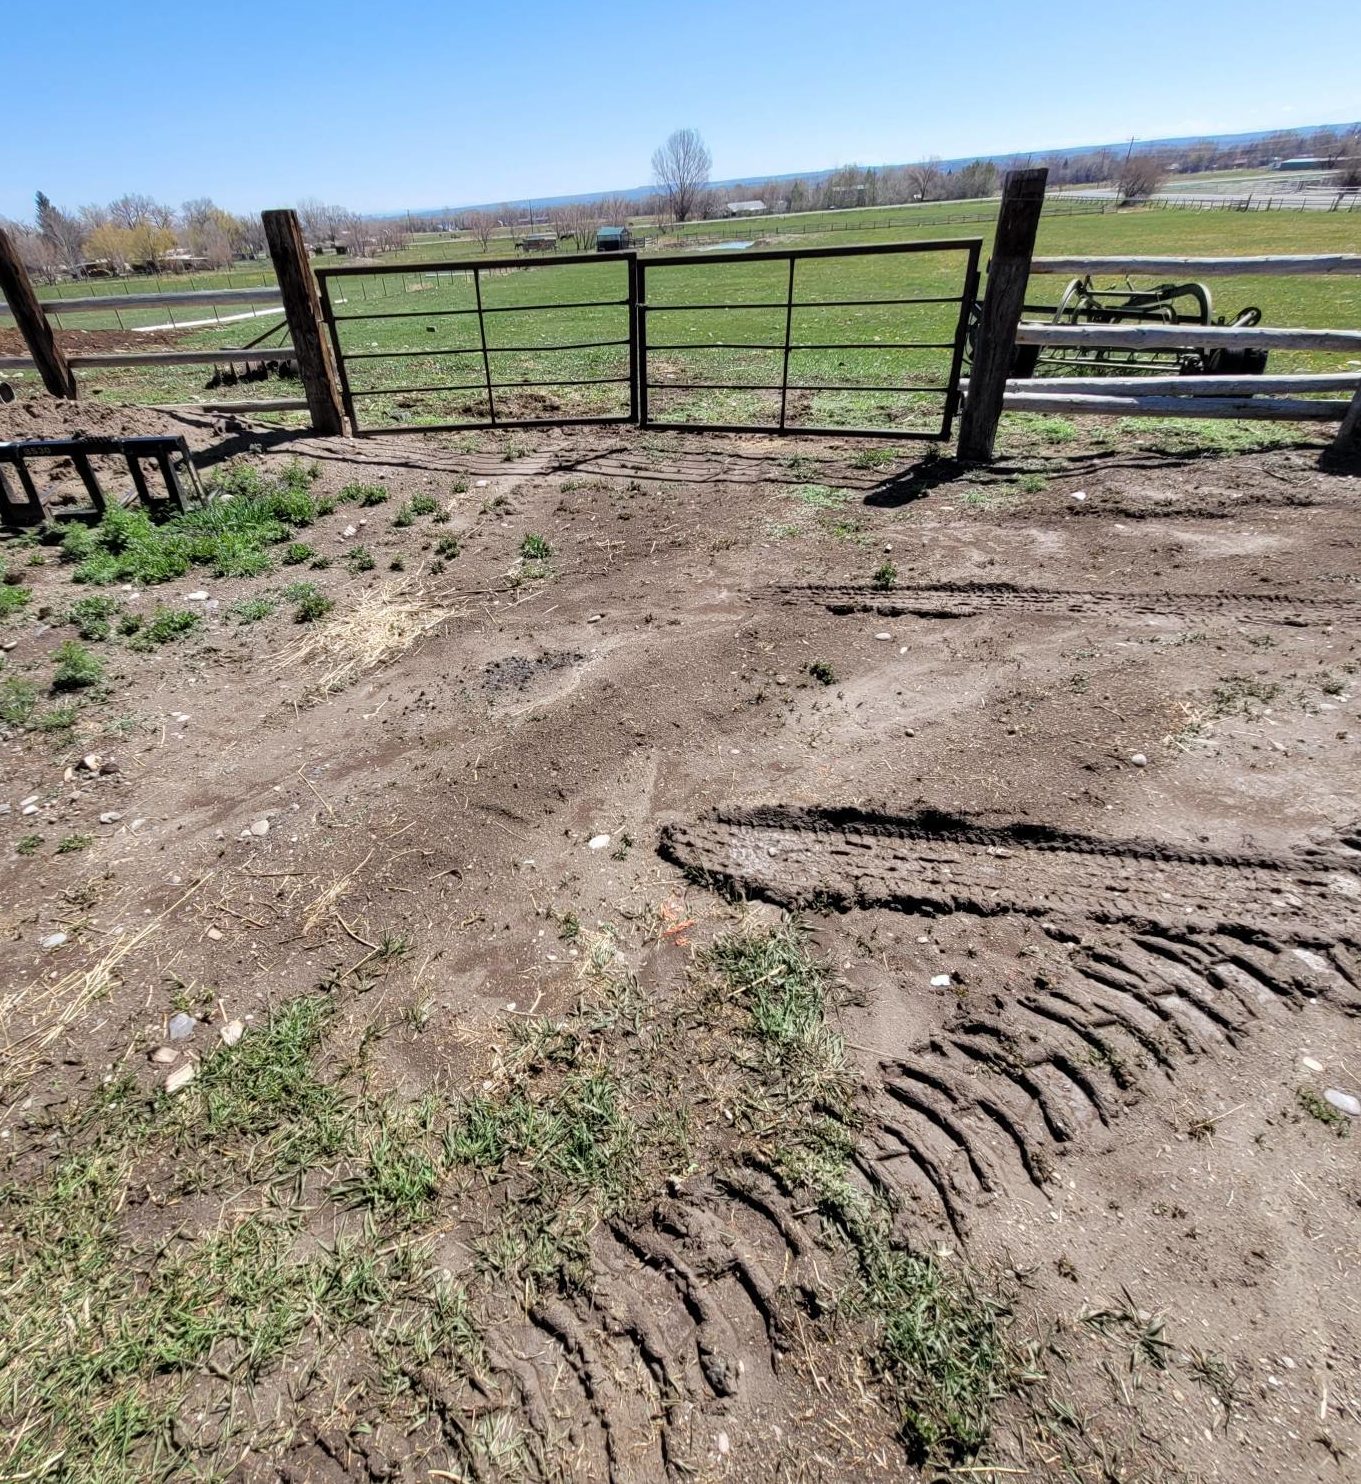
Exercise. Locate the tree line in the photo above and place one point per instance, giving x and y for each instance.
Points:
(137, 233)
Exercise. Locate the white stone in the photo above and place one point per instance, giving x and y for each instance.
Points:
(883, 636)
(1079, 495)
(260, 827)
(598, 842)
(1344, 1102)
(54, 940)
(1311, 1064)
(1139, 760)
(110, 816)
(940, 981)
(348, 532)
(232, 1032)
(198, 597)
(29, 809)
(181, 1077)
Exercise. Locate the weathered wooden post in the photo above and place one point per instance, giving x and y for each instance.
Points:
(1013, 246)
(302, 305)
(33, 323)
(1349, 434)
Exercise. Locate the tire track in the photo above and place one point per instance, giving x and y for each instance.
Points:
(804, 858)
(1166, 959)
(945, 600)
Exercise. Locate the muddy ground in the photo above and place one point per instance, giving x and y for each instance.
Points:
(1055, 761)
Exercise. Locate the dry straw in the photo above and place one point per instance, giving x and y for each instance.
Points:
(385, 622)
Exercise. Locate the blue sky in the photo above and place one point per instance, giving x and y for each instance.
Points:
(410, 103)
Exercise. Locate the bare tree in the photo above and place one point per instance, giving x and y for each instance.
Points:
(63, 233)
(681, 170)
(1140, 177)
(482, 224)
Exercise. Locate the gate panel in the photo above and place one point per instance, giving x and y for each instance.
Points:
(848, 341)
(505, 342)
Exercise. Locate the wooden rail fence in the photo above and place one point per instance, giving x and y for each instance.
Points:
(989, 390)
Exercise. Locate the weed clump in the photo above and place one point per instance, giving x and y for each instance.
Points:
(885, 577)
(822, 672)
(535, 549)
(164, 627)
(77, 668)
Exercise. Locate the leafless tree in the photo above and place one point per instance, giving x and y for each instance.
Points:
(681, 170)
(1140, 177)
(482, 224)
(63, 233)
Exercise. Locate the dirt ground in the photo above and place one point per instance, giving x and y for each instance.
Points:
(1055, 761)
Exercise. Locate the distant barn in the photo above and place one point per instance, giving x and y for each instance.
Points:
(745, 208)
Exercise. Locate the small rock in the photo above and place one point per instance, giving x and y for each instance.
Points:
(1313, 1066)
(940, 981)
(883, 636)
(260, 827)
(29, 809)
(910, 732)
(723, 1444)
(348, 532)
(1139, 760)
(181, 1026)
(31, 799)
(232, 1032)
(215, 934)
(782, 680)
(180, 1077)
(198, 597)
(1079, 495)
(595, 618)
(110, 816)
(92, 762)
(1344, 1102)
(54, 940)
(598, 842)
(164, 1055)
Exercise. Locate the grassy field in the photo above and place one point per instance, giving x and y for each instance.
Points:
(439, 349)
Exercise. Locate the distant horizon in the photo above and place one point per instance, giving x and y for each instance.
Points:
(999, 158)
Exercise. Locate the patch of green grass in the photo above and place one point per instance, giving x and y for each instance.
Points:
(822, 672)
(821, 496)
(405, 516)
(360, 559)
(76, 668)
(535, 549)
(92, 616)
(448, 547)
(363, 494)
(252, 610)
(164, 626)
(885, 577)
(875, 458)
(28, 844)
(18, 698)
(1318, 1107)
(231, 534)
(296, 553)
(56, 719)
(14, 596)
(72, 843)
(1031, 484)
(309, 602)
(423, 505)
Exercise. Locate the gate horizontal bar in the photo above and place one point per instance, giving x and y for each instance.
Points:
(481, 386)
(476, 350)
(341, 319)
(354, 270)
(798, 304)
(753, 386)
(793, 349)
(897, 434)
(778, 255)
(519, 422)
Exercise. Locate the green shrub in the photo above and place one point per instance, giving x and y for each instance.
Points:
(17, 700)
(364, 494)
(13, 597)
(360, 559)
(535, 549)
(296, 553)
(423, 505)
(405, 516)
(77, 668)
(310, 605)
(164, 627)
(252, 610)
(447, 546)
(91, 616)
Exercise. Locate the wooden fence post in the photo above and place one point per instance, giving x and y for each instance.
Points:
(302, 305)
(1013, 246)
(33, 323)
(1349, 434)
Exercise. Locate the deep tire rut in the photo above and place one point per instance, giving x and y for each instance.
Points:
(967, 599)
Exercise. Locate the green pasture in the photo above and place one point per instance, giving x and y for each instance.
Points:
(398, 332)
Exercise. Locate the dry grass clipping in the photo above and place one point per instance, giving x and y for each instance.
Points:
(35, 1015)
(384, 623)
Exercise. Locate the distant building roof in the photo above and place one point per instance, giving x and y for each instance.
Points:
(733, 207)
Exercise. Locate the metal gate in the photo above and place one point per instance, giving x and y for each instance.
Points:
(897, 377)
(549, 341)
(847, 341)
